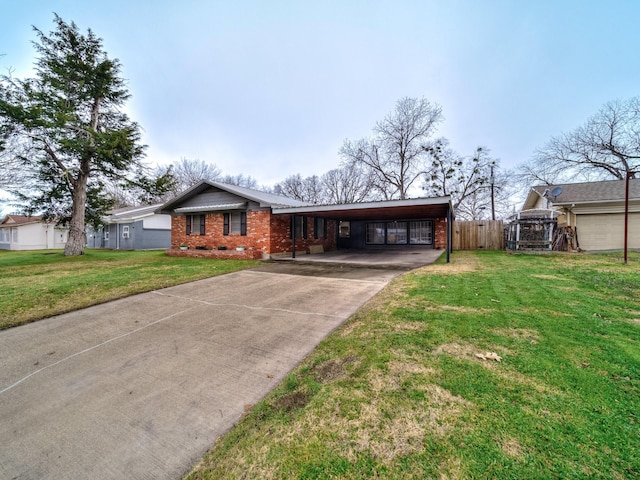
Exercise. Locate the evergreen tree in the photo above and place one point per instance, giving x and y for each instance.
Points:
(66, 131)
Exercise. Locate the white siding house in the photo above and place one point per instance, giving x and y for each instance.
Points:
(19, 232)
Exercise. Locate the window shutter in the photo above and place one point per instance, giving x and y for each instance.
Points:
(225, 230)
(304, 227)
(326, 227)
(202, 224)
(316, 223)
(188, 222)
(243, 223)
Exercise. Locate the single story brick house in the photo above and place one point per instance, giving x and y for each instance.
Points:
(216, 219)
(21, 232)
(132, 228)
(594, 210)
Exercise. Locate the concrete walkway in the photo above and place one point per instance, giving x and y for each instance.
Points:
(141, 387)
(404, 258)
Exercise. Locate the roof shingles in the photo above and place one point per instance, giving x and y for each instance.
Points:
(611, 190)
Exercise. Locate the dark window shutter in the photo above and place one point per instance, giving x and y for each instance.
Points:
(188, 222)
(326, 227)
(304, 227)
(202, 223)
(316, 223)
(243, 223)
(225, 230)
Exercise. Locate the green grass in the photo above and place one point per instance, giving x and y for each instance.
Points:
(398, 392)
(39, 284)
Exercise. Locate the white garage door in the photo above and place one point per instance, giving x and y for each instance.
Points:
(606, 231)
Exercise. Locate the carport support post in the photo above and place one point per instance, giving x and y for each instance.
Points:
(449, 228)
(293, 236)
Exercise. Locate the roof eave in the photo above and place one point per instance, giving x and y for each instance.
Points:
(364, 205)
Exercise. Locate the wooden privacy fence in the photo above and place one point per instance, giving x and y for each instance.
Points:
(478, 235)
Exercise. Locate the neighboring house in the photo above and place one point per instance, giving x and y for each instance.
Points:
(20, 232)
(132, 228)
(594, 211)
(215, 219)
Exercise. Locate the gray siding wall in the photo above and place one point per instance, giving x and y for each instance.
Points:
(126, 243)
(212, 196)
(147, 239)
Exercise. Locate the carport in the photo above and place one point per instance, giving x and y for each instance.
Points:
(417, 223)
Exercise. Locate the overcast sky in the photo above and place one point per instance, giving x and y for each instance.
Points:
(272, 88)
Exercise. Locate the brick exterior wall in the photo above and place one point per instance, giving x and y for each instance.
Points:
(266, 234)
(280, 241)
(440, 240)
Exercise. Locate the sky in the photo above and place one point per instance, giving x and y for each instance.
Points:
(273, 88)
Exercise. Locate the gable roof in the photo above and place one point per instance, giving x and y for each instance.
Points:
(587, 192)
(132, 213)
(262, 198)
(17, 220)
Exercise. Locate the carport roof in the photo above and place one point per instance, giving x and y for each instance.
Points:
(384, 210)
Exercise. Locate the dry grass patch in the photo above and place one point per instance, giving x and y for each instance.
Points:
(468, 351)
(462, 262)
(374, 431)
(458, 309)
(452, 470)
(332, 370)
(548, 277)
(518, 333)
(511, 447)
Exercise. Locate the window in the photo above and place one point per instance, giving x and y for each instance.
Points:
(125, 231)
(319, 228)
(4, 235)
(15, 235)
(397, 233)
(375, 233)
(420, 232)
(300, 227)
(195, 224)
(235, 223)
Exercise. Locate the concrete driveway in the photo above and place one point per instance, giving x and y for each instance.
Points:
(139, 388)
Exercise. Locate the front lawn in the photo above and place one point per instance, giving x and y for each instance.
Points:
(401, 390)
(39, 284)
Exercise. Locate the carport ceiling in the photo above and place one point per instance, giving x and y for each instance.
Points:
(390, 210)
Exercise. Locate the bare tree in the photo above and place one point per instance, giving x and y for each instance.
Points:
(395, 153)
(470, 181)
(309, 189)
(189, 172)
(348, 184)
(241, 180)
(606, 146)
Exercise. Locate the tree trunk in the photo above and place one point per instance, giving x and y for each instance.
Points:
(77, 236)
